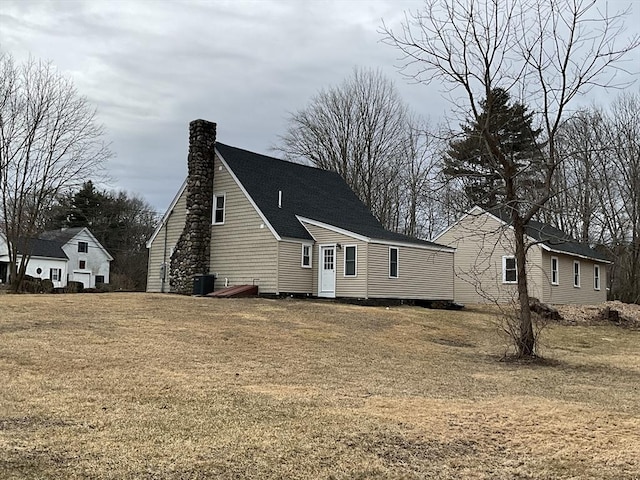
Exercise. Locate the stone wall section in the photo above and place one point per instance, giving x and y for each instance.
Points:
(191, 254)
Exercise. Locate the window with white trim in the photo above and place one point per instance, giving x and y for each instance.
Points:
(350, 260)
(393, 262)
(218, 208)
(509, 270)
(306, 256)
(576, 273)
(596, 277)
(83, 247)
(555, 276)
(55, 274)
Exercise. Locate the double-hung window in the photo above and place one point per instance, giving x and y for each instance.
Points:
(509, 270)
(555, 277)
(218, 209)
(306, 256)
(350, 261)
(393, 262)
(596, 277)
(55, 274)
(83, 247)
(576, 274)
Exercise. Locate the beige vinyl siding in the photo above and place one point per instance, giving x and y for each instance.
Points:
(352, 287)
(243, 249)
(171, 230)
(536, 277)
(292, 276)
(481, 242)
(422, 274)
(565, 292)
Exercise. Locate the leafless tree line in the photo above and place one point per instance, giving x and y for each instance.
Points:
(597, 197)
(363, 130)
(49, 141)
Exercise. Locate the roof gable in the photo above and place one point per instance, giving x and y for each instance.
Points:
(551, 238)
(284, 191)
(64, 235)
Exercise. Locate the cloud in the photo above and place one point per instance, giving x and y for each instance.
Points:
(152, 66)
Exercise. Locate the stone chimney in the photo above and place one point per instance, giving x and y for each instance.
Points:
(191, 254)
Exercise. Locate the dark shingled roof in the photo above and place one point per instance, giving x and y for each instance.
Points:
(62, 235)
(38, 247)
(306, 191)
(553, 238)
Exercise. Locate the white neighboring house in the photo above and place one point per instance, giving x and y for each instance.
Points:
(68, 254)
(4, 259)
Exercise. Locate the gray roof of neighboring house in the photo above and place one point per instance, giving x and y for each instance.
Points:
(553, 238)
(38, 247)
(308, 192)
(62, 235)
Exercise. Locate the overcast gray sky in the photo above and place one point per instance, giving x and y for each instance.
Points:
(153, 66)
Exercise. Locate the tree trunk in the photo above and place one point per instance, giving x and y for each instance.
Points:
(526, 341)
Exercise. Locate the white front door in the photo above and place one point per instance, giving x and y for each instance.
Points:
(327, 271)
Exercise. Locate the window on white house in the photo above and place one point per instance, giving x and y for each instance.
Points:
(55, 274)
(509, 270)
(218, 209)
(393, 262)
(350, 261)
(82, 264)
(596, 277)
(306, 256)
(99, 279)
(576, 273)
(555, 278)
(83, 247)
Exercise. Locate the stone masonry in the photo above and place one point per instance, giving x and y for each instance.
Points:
(191, 254)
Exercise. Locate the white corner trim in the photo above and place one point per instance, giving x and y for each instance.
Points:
(246, 194)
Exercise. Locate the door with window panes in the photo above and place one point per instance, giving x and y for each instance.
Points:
(327, 271)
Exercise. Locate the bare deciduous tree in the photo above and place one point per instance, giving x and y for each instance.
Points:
(418, 177)
(49, 141)
(597, 196)
(542, 53)
(357, 129)
(575, 204)
(623, 173)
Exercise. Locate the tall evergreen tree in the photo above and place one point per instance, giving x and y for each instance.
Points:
(121, 223)
(481, 174)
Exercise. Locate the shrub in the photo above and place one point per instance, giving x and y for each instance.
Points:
(47, 285)
(74, 287)
(36, 285)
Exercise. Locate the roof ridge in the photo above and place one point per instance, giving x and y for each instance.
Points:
(289, 162)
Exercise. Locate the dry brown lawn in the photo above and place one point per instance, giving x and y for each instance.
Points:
(165, 387)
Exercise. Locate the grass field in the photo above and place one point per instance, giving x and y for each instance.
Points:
(117, 386)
